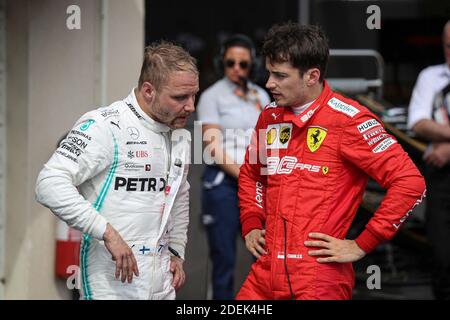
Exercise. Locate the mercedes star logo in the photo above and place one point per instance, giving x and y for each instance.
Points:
(134, 133)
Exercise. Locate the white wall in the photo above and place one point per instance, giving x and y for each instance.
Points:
(126, 21)
(2, 139)
(54, 76)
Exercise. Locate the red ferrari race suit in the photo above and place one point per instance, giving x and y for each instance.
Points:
(308, 173)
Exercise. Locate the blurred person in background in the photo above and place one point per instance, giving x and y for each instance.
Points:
(429, 112)
(305, 173)
(120, 177)
(232, 103)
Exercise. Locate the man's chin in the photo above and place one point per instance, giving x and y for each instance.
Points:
(280, 102)
(178, 123)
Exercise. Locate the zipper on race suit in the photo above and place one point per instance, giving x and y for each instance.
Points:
(168, 148)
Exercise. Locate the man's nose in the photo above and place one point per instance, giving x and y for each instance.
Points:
(190, 106)
(270, 84)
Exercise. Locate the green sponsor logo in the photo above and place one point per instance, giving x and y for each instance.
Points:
(86, 125)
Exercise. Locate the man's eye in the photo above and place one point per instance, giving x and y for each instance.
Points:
(278, 75)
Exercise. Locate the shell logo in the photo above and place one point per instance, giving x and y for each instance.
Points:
(271, 136)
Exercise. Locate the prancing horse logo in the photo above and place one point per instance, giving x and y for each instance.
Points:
(315, 137)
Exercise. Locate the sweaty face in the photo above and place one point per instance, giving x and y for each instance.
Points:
(174, 102)
(237, 62)
(286, 85)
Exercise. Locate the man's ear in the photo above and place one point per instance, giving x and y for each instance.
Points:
(148, 91)
(312, 76)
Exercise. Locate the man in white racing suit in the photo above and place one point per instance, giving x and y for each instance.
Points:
(120, 178)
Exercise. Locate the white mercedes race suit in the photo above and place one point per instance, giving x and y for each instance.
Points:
(119, 166)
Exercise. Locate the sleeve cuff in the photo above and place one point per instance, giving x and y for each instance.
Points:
(98, 227)
(251, 224)
(367, 241)
(178, 248)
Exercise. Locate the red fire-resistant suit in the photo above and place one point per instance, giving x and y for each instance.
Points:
(307, 173)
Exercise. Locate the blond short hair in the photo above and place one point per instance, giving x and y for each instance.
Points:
(161, 59)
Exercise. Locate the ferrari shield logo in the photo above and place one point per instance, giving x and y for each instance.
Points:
(325, 170)
(315, 137)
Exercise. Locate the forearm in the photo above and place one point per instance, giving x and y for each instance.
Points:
(232, 169)
(252, 196)
(58, 194)
(223, 160)
(398, 204)
(432, 131)
(178, 232)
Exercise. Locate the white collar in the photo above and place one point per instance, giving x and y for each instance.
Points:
(298, 110)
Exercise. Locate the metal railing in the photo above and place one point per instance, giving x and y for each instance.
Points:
(359, 85)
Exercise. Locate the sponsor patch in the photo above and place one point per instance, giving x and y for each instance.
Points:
(278, 135)
(66, 156)
(138, 154)
(115, 124)
(384, 145)
(275, 116)
(140, 184)
(343, 107)
(273, 104)
(287, 164)
(418, 201)
(71, 148)
(373, 133)
(133, 109)
(133, 132)
(290, 255)
(86, 124)
(285, 134)
(82, 134)
(77, 141)
(109, 113)
(308, 115)
(136, 142)
(363, 127)
(259, 194)
(133, 166)
(315, 137)
(377, 139)
(271, 136)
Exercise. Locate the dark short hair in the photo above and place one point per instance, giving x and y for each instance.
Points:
(304, 47)
(162, 58)
(238, 40)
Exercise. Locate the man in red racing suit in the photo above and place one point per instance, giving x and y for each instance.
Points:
(303, 180)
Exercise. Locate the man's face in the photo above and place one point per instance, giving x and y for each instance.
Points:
(446, 44)
(174, 102)
(285, 83)
(237, 62)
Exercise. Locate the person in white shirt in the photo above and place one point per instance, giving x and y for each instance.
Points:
(429, 114)
(120, 177)
(228, 110)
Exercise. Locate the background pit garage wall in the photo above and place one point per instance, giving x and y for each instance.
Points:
(53, 76)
